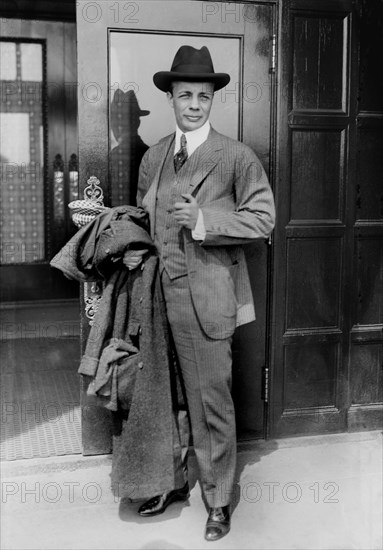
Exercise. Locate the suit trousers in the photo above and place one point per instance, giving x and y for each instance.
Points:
(206, 371)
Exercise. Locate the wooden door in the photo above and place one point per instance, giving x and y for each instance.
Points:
(39, 172)
(327, 333)
(120, 46)
(365, 399)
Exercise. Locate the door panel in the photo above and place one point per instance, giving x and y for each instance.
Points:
(366, 347)
(132, 41)
(323, 197)
(308, 366)
(327, 337)
(38, 116)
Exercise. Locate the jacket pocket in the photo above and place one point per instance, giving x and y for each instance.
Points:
(214, 298)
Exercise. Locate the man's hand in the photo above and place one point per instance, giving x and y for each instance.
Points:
(133, 258)
(186, 213)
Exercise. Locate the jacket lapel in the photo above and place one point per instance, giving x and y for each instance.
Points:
(205, 158)
(149, 200)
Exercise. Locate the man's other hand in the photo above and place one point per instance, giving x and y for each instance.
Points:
(133, 258)
(186, 213)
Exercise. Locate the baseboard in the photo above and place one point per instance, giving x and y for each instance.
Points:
(40, 319)
(38, 304)
(365, 417)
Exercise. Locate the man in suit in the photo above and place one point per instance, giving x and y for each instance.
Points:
(206, 195)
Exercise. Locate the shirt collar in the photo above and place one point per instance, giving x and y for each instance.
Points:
(194, 139)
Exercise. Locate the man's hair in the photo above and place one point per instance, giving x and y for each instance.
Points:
(171, 84)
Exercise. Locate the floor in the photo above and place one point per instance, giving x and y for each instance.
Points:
(39, 384)
(40, 396)
(322, 492)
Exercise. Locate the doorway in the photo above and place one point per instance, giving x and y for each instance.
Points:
(39, 308)
(134, 40)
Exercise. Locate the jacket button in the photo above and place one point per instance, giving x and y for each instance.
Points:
(140, 330)
(107, 250)
(141, 299)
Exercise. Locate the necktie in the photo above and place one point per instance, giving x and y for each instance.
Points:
(181, 157)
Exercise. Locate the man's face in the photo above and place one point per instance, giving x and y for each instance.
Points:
(192, 103)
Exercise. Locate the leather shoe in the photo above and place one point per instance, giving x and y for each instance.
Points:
(158, 504)
(218, 523)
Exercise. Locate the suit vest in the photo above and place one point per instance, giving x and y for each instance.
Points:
(168, 235)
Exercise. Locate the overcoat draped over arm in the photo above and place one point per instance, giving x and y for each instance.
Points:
(146, 445)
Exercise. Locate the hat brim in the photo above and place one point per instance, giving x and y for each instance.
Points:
(163, 79)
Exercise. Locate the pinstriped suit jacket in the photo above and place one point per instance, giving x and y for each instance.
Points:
(237, 203)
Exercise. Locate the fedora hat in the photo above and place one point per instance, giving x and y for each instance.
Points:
(191, 65)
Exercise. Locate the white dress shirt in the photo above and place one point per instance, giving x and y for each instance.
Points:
(194, 139)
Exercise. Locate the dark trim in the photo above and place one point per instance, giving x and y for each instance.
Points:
(45, 10)
(325, 5)
(48, 191)
(273, 179)
(365, 417)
